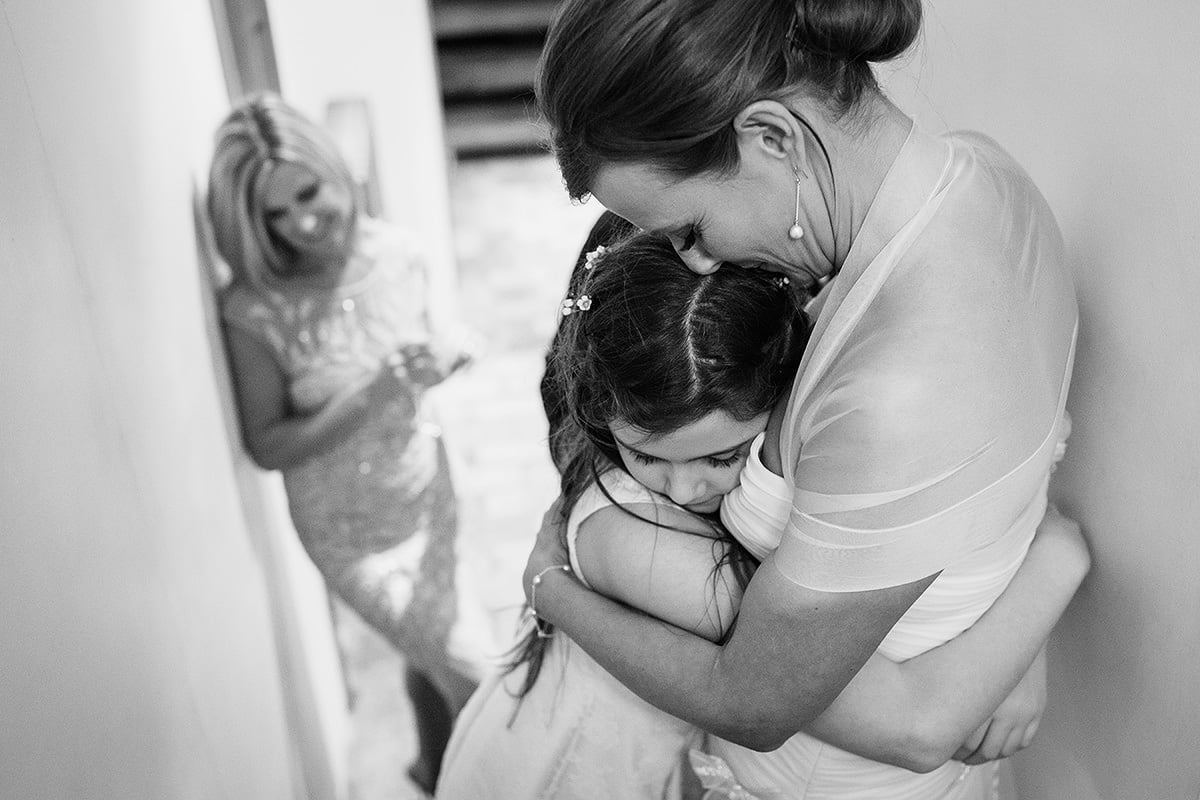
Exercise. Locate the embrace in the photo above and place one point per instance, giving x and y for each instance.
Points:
(805, 415)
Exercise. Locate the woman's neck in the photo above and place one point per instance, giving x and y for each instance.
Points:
(862, 147)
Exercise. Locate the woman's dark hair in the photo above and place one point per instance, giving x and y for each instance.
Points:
(661, 81)
(659, 347)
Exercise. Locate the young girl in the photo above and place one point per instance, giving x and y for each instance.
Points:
(326, 330)
(668, 378)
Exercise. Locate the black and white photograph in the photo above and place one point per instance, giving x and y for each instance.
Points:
(599, 400)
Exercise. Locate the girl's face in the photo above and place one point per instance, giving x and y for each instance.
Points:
(696, 465)
(309, 212)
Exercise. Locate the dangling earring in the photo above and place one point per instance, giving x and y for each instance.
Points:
(796, 233)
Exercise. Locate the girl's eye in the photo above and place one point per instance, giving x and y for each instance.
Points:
(642, 458)
(727, 461)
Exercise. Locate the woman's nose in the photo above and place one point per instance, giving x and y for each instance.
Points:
(698, 260)
(308, 222)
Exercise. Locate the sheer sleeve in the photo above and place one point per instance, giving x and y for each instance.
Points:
(919, 443)
(757, 508)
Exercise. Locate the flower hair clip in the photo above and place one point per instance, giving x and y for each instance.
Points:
(589, 260)
(572, 304)
(582, 303)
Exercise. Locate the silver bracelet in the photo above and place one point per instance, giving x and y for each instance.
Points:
(537, 621)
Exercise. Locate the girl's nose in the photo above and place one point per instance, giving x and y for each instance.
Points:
(698, 260)
(308, 223)
(684, 489)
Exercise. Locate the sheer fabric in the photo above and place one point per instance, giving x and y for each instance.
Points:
(922, 427)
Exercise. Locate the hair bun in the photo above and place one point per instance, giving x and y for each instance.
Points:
(856, 30)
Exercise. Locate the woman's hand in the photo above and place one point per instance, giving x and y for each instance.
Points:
(550, 549)
(431, 362)
(1014, 723)
(1064, 535)
(424, 364)
(390, 381)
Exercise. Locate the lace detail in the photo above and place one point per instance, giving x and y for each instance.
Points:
(719, 781)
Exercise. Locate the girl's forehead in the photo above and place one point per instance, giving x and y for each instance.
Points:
(715, 432)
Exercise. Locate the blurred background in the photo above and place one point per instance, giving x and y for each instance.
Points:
(163, 635)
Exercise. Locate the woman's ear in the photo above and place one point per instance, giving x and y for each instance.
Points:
(766, 128)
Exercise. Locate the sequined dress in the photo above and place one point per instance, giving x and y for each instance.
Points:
(377, 513)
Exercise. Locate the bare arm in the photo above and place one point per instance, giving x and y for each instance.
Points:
(757, 689)
(979, 696)
(915, 714)
(276, 436)
(918, 714)
(668, 570)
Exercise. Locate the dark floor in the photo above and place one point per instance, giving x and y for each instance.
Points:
(517, 235)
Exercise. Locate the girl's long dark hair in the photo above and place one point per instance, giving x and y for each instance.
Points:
(659, 347)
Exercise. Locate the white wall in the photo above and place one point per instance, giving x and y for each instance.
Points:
(1100, 101)
(380, 50)
(138, 654)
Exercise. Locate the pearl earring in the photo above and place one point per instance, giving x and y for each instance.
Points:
(796, 233)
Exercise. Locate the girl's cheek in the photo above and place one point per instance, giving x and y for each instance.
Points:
(731, 481)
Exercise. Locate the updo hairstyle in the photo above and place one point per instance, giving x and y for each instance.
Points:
(660, 81)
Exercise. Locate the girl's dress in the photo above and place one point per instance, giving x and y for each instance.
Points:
(579, 734)
(377, 513)
(923, 425)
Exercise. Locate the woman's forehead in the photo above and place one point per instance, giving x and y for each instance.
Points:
(642, 195)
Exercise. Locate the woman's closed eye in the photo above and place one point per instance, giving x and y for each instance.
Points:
(690, 237)
(307, 193)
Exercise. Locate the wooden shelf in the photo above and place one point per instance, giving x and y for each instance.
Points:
(487, 55)
(487, 68)
(484, 129)
(458, 19)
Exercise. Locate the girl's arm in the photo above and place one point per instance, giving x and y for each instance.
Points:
(918, 714)
(794, 648)
(915, 714)
(758, 687)
(933, 713)
(667, 568)
(275, 436)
